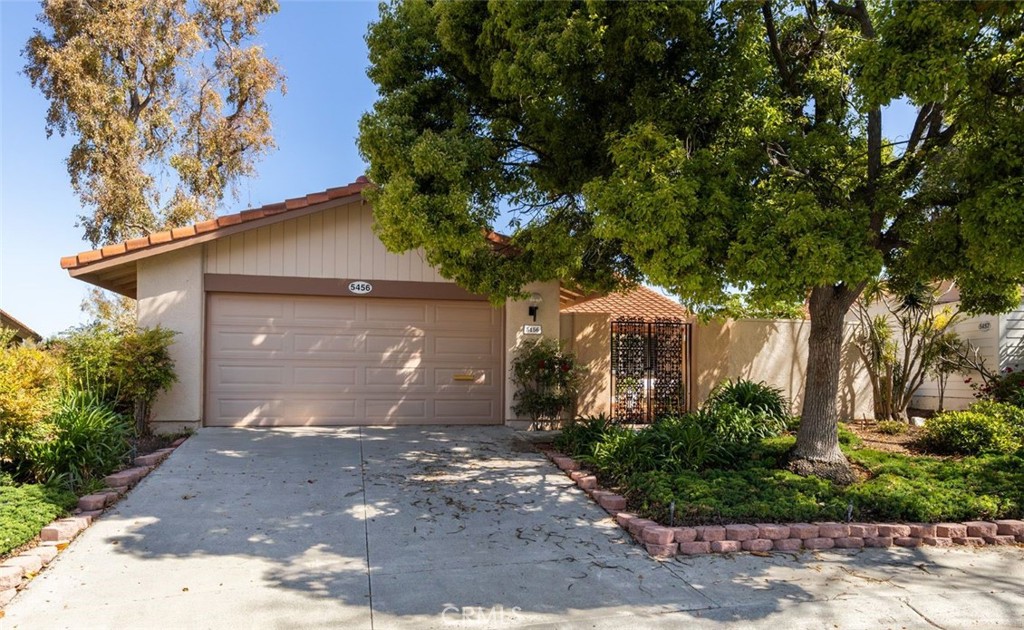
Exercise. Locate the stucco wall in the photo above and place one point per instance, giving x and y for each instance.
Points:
(588, 335)
(516, 316)
(170, 290)
(773, 351)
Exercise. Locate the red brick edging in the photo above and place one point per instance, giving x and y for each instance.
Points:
(663, 542)
(17, 570)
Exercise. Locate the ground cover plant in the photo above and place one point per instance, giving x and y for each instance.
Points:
(25, 508)
(688, 471)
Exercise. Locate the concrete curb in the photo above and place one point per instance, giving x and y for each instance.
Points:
(17, 570)
(665, 542)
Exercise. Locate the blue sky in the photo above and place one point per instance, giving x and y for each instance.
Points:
(321, 50)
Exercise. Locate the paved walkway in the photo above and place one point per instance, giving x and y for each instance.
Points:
(452, 528)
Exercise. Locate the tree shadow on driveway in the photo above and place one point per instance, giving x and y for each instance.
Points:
(448, 527)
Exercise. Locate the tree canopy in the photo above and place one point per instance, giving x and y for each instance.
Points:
(707, 146)
(167, 100)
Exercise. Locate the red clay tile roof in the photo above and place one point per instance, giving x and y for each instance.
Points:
(184, 233)
(638, 302)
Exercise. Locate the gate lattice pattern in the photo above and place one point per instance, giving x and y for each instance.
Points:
(649, 368)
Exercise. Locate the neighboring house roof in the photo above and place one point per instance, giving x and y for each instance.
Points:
(21, 331)
(638, 302)
(948, 292)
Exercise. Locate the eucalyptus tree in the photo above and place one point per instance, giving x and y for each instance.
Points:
(166, 101)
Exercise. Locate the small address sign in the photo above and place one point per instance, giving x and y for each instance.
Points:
(360, 287)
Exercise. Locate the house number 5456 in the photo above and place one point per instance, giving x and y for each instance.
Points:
(359, 287)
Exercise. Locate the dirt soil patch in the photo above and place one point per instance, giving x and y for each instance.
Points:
(905, 443)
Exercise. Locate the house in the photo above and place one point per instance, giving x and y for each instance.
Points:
(295, 314)
(22, 333)
(997, 340)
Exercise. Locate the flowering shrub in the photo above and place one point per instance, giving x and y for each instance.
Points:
(547, 379)
(1005, 387)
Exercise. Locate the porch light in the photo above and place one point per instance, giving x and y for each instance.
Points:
(535, 300)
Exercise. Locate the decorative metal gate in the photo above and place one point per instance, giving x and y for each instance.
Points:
(650, 368)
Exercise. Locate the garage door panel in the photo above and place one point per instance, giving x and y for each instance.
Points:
(252, 374)
(320, 375)
(295, 361)
(463, 377)
(395, 377)
(467, 316)
(317, 312)
(325, 343)
(393, 346)
(406, 312)
(463, 408)
(240, 307)
(450, 345)
(250, 341)
(401, 409)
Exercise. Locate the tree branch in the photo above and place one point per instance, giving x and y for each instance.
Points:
(776, 49)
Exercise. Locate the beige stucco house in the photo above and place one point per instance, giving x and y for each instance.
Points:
(296, 314)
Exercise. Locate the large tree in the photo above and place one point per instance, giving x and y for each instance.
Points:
(166, 99)
(708, 147)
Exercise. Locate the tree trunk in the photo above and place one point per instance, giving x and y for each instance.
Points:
(141, 417)
(817, 442)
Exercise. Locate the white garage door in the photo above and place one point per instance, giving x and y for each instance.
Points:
(274, 360)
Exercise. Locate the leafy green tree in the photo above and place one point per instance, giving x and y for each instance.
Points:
(150, 88)
(708, 146)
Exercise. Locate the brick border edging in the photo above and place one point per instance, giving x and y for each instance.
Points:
(17, 570)
(664, 542)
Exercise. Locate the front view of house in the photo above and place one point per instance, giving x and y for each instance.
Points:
(295, 314)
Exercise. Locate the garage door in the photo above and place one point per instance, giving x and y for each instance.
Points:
(276, 360)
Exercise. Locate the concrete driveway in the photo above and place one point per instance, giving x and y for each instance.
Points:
(452, 528)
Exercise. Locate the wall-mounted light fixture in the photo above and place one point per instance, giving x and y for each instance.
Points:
(535, 300)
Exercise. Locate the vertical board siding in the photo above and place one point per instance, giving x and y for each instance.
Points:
(958, 393)
(335, 243)
(1011, 339)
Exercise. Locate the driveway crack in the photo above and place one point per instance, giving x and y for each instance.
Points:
(366, 524)
(906, 602)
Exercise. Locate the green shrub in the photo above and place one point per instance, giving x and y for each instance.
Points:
(29, 379)
(1012, 415)
(25, 509)
(743, 394)
(735, 425)
(892, 427)
(970, 432)
(580, 435)
(127, 369)
(86, 440)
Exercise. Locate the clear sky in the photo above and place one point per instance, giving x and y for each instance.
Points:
(320, 47)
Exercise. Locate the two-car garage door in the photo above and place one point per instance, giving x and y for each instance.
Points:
(277, 360)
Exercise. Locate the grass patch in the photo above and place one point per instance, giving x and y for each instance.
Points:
(753, 487)
(27, 508)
